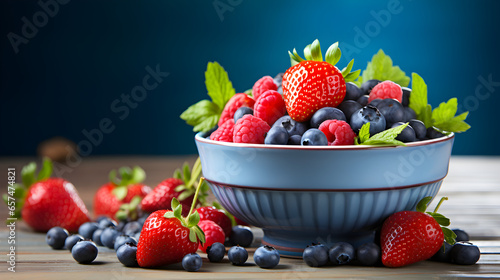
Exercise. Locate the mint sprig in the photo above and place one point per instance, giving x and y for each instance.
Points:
(205, 114)
(384, 138)
(381, 68)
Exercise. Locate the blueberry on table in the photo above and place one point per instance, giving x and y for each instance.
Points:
(216, 252)
(237, 255)
(407, 135)
(192, 262)
(461, 235)
(368, 114)
(108, 237)
(349, 107)
(464, 253)
(392, 110)
(106, 222)
(241, 235)
(72, 240)
(266, 257)
(84, 252)
(87, 229)
(96, 237)
(326, 113)
(131, 228)
(127, 254)
(368, 254)
(443, 254)
(341, 253)
(56, 237)
(277, 135)
(352, 91)
(122, 239)
(314, 137)
(315, 255)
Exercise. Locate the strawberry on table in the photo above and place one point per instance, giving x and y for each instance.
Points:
(411, 236)
(119, 191)
(45, 202)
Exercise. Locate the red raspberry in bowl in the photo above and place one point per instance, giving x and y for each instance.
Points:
(386, 89)
(270, 106)
(238, 100)
(250, 129)
(224, 133)
(262, 85)
(213, 233)
(337, 132)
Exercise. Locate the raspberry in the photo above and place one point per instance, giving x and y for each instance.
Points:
(270, 106)
(213, 233)
(262, 85)
(238, 100)
(386, 89)
(224, 133)
(250, 129)
(337, 132)
(216, 215)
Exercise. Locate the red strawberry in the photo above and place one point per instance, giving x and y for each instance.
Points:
(181, 187)
(213, 233)
(408, 237)
(111, 196)
(238, 100)
(216, 215)
(262, 85)
(45, 202)
(313, 84)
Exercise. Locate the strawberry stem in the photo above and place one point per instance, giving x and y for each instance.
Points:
(439, 204)
(195, 198)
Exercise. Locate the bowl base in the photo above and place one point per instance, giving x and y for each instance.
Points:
(293, 246)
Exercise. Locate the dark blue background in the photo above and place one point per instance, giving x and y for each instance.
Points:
(65, 78)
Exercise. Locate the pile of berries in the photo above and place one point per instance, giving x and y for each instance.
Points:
(273, 118)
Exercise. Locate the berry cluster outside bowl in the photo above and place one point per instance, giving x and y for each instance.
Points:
(301, 195)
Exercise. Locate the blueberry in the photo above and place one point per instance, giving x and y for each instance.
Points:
(409, 114)
(277, 135)
(375, 102)
(131, 228)
(87, 229)
(266, 257)
(419, 128)
(432, 133)
(72, 240)
(100, 218)
(241, 235)
(314, 137)
(291, 126)
(392, 110)
(56, 237)
(192, 262)
(122, 239)
(142, 219)
(368, 254)
(363, 100)
(237, 255)
(443, 254)
(106, 222)
(315, 255)
(278, 79)
(464, 253)
(407, 135)
(367, 86)
(241, 112)
(108, 237)
(326, 113)
(127, 254)
(369, 114)
(137, 235)
(216, 252)
(96, 237)
(352, 91)
(341, 253)
(406, 96)
(294, 140)
(461, 235)
(84, 251)
(349, 107)
(121, 225)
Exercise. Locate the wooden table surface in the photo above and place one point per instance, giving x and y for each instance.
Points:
(472, 186)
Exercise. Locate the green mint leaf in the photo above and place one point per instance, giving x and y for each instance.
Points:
(46, 170)
(449, 235)
(387, 137)
(445, 111)
(364, 133)
(219, 87)
(28, 174)
(203, 115)
(440, 219)
(418, 96)
(120, 192)
(423, 203)
(381, 68)
(455, 124)
(426, 116)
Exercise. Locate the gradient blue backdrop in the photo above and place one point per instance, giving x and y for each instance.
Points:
(64, 79)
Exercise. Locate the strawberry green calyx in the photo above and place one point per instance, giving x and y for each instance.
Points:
(332, 56)
(449, 235)
(192, 219)
(128, 177)
(190, 178)
(17, 191)
(129, 210)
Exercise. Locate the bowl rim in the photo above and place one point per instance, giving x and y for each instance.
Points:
(198, 137)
